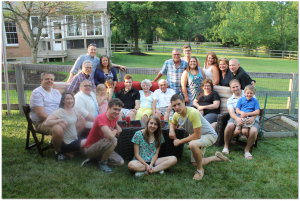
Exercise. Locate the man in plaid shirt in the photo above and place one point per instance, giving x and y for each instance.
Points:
(173, 68)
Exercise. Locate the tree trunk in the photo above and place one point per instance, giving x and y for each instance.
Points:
(136, 39)
(34, 55)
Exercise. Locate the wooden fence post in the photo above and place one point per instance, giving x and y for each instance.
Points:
(282, 54)
(147, 48)
(121, 75)
(164, 48)
(196, 48)
(227, 51)
(242, 51)
(292, 100)
(20, 87)
(269, 53)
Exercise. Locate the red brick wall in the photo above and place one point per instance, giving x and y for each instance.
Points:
(23, 49)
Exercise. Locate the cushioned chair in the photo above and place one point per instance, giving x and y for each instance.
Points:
(33, 131)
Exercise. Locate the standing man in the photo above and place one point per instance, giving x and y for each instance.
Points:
(187, 51)
(173, 68)
(85, 74)
(43, 101)
(130, 97)
(202, 134)
(239, 73)
(101, 141)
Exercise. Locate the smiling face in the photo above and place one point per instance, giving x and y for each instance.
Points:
(233, 66)
(210, 60)
(249, 94)
(146, 87)
(176, 56)
(163, 86)
(68, 101)
(152, 125)
(187, 52)
(113, 112)
(207, 87)
(104, 61)
(128, 84)
(47, 81)
(193, 63)
(223, 66)
(92, 50)
(86, 88)
(178, 106)
(235, 88)
(87, 69)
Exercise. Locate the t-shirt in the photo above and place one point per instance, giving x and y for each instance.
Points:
(247, 105)
(208, 100)
(242, 77)
(146, 151)
(49, 100)
(146, 102)
(128, 98)
(96, 133)
(163, 99)
(193, 120)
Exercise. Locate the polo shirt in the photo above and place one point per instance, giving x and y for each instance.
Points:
(246, 105)
(78, 63)
(77, 80)
(163, 99)
(242, 77)
(128, 98)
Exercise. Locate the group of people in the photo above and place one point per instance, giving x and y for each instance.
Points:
(85, 116)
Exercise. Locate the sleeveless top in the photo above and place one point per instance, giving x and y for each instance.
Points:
(194, 85)
(208, 73)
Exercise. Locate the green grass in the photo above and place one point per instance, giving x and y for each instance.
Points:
(272, 173)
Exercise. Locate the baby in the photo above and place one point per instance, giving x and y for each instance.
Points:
(102, 98)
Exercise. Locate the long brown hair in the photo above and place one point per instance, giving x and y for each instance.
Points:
(189, 68)
(109, 66)
(216, 62)
(157, 133)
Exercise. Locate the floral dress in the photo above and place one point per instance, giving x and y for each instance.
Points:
(146, 151)
(194, 85)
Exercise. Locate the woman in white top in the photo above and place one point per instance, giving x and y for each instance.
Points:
(211, 68)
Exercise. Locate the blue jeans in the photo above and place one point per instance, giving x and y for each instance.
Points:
(211, 117)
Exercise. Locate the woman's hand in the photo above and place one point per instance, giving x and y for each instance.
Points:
(200, 108)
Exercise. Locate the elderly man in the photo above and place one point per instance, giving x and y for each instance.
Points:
(130, 97)
(86, 104)
(173, 68)
(162, 97)
(91, 56)
(43, 101)
(239, 73)
(85, 74)
(101, 141)
(235, 87)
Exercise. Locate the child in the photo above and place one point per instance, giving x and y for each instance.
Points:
(247, 106)
(147, 144)
(109, 83)
(102, 98)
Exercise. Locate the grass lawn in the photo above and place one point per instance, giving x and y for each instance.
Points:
(272, 173)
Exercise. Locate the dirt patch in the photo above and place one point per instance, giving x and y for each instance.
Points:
(138, 54)
(277, 125)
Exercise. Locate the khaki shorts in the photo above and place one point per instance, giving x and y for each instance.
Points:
(40, 126)
(205, 141)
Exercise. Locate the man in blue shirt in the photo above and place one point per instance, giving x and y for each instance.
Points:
(173, 68)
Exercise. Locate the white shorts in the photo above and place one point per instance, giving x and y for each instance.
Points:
(125, 112)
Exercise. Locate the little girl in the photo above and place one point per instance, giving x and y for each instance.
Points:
(146, 146)
(102, 98)
(109, 83)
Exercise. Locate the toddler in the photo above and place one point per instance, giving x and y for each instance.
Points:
(102, 98)
(109, 83)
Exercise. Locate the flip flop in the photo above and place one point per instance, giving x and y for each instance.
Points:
(225, 151)
(221, 156)
(248, 156)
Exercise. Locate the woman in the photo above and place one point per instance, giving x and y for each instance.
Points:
(146, 99)
(67, 115)
(225, 73)
(147, 143)
(211, 69)
(104, 71)
(191, 80)
(208, 101)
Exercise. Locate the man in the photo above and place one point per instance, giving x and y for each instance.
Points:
(187, 50)
(85, 74)
(202, 135)
(239, 73)
(101, 141)
(173, 68)
(235, 87)
(91, 56)
(43, 101)
(162, 97)
(130, 97)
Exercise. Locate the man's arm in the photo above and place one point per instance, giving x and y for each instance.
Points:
(40, 112)
(196, 135)
(235, 117)
(119, 129)
(157, 77)
(77, 65)
(70, 77)
(110, 134)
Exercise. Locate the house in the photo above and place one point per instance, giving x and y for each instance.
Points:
(64, 37)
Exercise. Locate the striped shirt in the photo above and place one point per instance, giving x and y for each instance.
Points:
(40, 97)
(78, 63)
(173, 73)
(77, 80)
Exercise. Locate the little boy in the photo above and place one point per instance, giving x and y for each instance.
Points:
(246, 107)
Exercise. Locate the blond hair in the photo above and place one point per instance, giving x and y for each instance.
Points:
(249, 87)
(99, 87)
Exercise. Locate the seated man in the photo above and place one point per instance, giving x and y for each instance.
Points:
(85, 74)
(102, 140)
(130, 97)
(202, 135)
(235, 87)
(161, 98)
(43, 101)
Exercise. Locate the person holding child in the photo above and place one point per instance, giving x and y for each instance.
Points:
(102, 98)
(147, 143)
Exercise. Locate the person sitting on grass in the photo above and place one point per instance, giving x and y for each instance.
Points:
(67, 115)
(202, 134)
(147, 143)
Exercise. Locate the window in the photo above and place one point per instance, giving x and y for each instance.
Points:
(74, 27)
(11, 33)
(98, 42)
(34, 27)
(93, 25)
(75, 44)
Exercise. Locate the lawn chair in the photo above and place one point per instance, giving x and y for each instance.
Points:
(30, 128)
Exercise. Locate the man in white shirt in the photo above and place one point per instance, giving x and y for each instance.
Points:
(162, 97)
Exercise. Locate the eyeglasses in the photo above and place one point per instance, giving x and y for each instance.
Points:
(90, 86)
(93, 44)
(177, 54)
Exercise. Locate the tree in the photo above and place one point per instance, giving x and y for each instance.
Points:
(21, 11)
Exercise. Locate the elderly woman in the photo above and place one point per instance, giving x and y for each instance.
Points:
(67, 115)
(225, 73)
(191, 80)
(208, 101)
(211, 69)
(146, 99)
(86, 103)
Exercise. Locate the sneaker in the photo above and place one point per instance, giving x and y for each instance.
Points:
(161, 172)
(60, 157)
(198, 175)
(221, 156)
(88, 162)
(139, 174)
(103, 166)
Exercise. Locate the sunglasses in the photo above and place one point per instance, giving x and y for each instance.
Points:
(93, 44)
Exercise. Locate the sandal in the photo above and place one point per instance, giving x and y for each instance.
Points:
(198, 175)
(248, 156)
(225, 151)
(221, 156)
